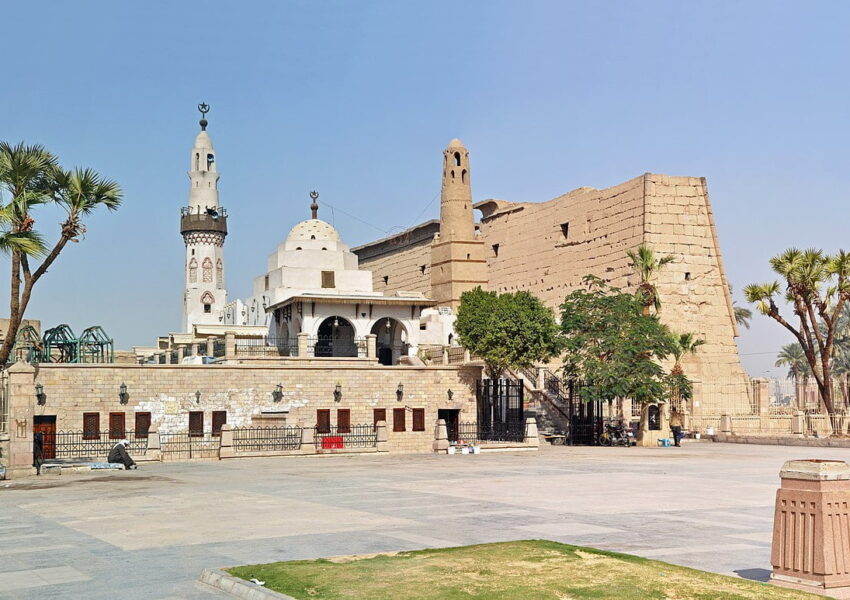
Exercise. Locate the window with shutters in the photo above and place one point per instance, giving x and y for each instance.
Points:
(418, 419)
(116, 426)
(196, 423)
(328, 279)
(91, 426)
(343, 420)
(379, 414)
(143, 425)
(219, 418)
(398, 419)
(323, 420)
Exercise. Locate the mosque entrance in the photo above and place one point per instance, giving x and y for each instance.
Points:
(335, 337)
(390, 340)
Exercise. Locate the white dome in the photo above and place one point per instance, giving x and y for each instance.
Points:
(313, 229)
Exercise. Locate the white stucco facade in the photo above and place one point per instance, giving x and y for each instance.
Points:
(313, 285)
(203, 225)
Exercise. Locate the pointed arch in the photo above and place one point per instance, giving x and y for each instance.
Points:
(207, 298)
(219, 272)
(457, 159)
(207, 266)
(463, 176)
(193, 270)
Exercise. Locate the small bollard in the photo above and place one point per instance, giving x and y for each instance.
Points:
(811, 524)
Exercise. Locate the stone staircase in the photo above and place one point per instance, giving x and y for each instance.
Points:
(548, 395)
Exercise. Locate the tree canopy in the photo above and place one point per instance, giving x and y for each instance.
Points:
(647, 265)
(817, 286)
(613, 346)
(31, 176)
(507, 331)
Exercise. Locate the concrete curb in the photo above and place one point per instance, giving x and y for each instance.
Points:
(239, 588)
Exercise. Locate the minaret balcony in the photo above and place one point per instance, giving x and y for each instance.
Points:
(196, 219)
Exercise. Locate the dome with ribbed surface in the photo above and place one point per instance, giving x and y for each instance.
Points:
(313, 229)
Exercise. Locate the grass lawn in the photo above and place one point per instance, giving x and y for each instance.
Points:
(525, 570)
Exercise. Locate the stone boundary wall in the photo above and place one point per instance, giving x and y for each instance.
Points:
(170, 392)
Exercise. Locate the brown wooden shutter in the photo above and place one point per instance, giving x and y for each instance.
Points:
(379, 414)
(219, 418)
(398, 419)
(143, 424)
(328, 279)
(91, 426)
(116, 426)
(343, 420)
(323, 420)
(196, 423)
(418, 419)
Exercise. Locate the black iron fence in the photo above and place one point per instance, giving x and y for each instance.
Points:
(268, 346)
(259, 439)
(354, 436)
(90, 445)
(218, 348)
(327, 346)
(185, 445)
(475, 434)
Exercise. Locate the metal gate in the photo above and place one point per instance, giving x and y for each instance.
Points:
(501, 414)
(186, 446)
(586, 417)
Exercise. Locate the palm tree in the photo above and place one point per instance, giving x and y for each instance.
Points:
(31, 176)
(817, 286)
(683, 344)
(742, 314)
(647, 265)
(793, 357)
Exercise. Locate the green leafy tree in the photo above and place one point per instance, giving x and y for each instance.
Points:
(817, 286)
(647, 266)
(613, 346)
(507, 331)
(30, 176)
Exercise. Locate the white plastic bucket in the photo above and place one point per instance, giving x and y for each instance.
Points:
(709, 430)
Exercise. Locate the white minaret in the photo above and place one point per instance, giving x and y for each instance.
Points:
(203, 224)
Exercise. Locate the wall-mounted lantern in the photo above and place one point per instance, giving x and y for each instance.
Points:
(338, 392)
(198, 397)
(40, 396)
(123, 396)
(450, 394)
(277, 394)
(399, 393)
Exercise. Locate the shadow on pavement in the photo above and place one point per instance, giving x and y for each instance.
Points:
(754, 574)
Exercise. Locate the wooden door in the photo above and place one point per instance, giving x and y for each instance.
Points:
(46, 426)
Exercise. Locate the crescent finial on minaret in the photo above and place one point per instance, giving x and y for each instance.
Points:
(203, 108)
(314, 206)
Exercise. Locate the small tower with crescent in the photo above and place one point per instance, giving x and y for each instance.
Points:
(203, 225)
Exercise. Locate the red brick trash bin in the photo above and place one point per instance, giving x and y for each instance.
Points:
(811, 524)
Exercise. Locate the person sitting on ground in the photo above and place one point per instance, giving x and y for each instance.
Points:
(119, 454)
(676, 427)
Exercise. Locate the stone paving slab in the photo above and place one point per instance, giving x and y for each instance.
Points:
(149, 533)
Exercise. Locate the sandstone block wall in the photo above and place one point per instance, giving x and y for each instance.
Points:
(547, 248)
(405, 260)
(245, 391)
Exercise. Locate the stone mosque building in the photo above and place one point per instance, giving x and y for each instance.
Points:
(405, 288)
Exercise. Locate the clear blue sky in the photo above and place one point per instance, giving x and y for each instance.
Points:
(357, 100)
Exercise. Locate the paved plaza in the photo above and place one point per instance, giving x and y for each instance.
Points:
(148, 533)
